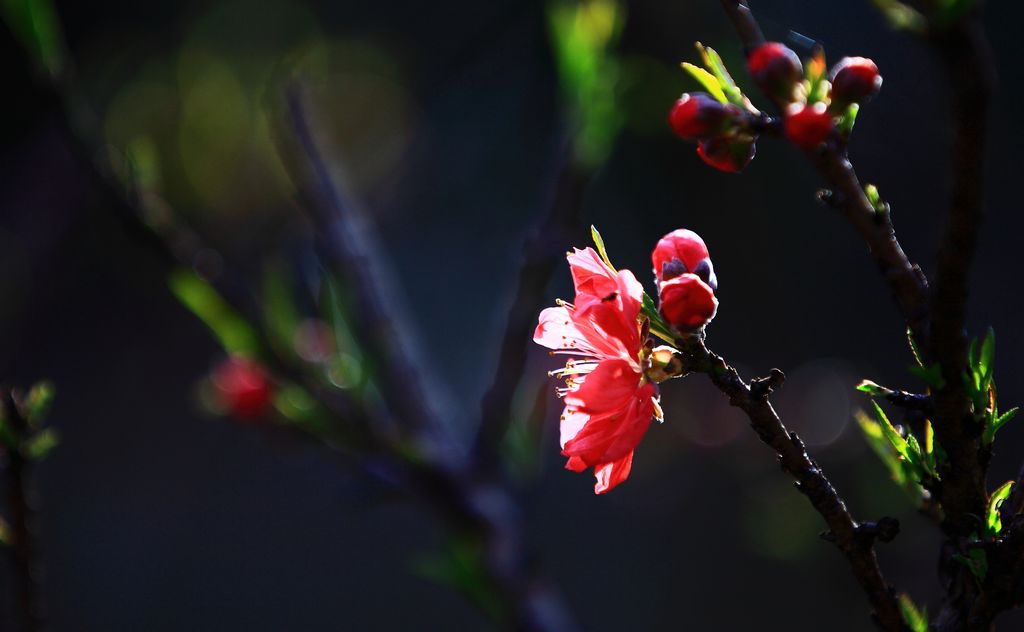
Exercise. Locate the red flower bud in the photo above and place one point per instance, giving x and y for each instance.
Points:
(700, 115)
(807, 126)
(854, 80)
(687, 303)
(776, 70)
(731, 155)
(242, 387)
(682, 251)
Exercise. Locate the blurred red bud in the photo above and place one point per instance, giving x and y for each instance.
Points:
(854, 80)
(243, 387)
(776, 70)
(699, 115)
(808, 126)
(727, 154)
(687, 303)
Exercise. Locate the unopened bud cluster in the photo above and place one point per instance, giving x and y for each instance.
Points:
(813, 104)
(686, 280)
(810, 102)
(718, 128)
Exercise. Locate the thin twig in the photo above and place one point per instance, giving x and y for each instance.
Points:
(541, 253)
(342, 244)
(854, 540)
(17, 470)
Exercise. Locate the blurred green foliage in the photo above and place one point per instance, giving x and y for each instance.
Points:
(232, 331)
(916, 619)
(459, 565)
(583, 36)
(31, 437)
(35, 24)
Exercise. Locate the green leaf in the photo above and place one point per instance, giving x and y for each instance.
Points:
(913, 347)
(231, 330)
(871, 191)
(845, 127)
(815, 72)
(40, 444)
(599, 243)
(929, 448)
(38, 402)
(993, 523)
(891, 434)
(706, 79)
(869, 387)
(659, 327)
(914, 454)
(1005, 417)
(714, 63)
(986, 360)
(875, 437)
(916, 620)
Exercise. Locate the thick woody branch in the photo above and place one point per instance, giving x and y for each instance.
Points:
(853, 539)
(966, 56)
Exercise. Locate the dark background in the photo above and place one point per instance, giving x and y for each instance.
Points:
(154, 516)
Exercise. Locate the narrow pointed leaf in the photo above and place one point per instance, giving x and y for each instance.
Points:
(993, 523)
(1004, 418)
(869, 387)
(873, 434)
(714, 63)
(233, 332)
(895, 439)
(599, 244)
(916, 620)
(913, 347)
(986, 360)
(706, 79)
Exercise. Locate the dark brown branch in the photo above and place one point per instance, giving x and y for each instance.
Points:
(854, 540)
(919, 402)
(743, 21)
(968, 66)
(541, 253)
(17, 470)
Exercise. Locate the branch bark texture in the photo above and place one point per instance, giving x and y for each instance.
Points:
(854, 540)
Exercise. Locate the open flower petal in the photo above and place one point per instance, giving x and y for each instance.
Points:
(611, 474)
(590, 274)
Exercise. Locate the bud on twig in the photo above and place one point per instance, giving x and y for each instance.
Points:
(776, 70)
